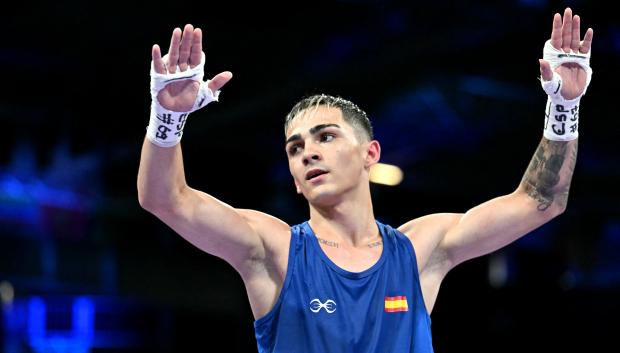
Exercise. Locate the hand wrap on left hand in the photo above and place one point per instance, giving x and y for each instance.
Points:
(562, 115)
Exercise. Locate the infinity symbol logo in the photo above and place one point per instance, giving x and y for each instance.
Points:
(316, 306)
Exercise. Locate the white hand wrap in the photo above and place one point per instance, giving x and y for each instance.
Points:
(562, 115)
(166, 126)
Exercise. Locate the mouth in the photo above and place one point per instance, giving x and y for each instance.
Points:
(314, 173)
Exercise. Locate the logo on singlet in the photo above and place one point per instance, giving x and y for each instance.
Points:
(316, 306)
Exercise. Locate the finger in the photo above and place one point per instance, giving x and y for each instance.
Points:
(556, 32)
(219, 80)
(545, 70)
(185, 47)
(587, 41)
(574, 43)
(173, 52)
(158, 64)
(196, 53)
(567, 26)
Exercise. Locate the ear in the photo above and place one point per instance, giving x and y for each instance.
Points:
(373, 153)
(297, 186)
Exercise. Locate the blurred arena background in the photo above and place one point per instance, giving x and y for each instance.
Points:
(451, 87)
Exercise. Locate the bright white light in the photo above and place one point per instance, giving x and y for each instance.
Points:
(386, 174)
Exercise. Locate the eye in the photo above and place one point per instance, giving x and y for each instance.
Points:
(326, 137)
(294, 149)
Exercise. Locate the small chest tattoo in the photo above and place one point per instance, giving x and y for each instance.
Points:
(334, 244)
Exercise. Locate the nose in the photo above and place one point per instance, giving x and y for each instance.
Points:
(310, 156)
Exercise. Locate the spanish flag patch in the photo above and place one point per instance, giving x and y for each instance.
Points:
(394, 304)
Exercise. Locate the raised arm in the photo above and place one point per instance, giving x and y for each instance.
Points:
(213, 226)
(543, 191)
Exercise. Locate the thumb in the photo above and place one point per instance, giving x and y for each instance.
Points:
(545, 70)
(219, 80)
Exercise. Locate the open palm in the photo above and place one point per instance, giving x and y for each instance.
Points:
(565, 35)
(185, 52)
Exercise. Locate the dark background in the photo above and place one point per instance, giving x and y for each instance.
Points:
(451, 87)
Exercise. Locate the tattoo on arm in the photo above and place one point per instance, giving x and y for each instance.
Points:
(547, 178)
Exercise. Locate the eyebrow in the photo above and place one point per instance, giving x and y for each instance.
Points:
(312, 131)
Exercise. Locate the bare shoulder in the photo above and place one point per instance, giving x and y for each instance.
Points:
(265, 224)
(426, 234)
(275, 236)
(264, 275)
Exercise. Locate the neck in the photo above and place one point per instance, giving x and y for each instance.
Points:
(350, 221)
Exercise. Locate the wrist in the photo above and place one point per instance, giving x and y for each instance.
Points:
(561, 119)
(165, 127)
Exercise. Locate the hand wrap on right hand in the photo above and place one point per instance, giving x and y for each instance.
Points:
(166, 126)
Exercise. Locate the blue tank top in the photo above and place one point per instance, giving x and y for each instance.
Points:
(323, 308)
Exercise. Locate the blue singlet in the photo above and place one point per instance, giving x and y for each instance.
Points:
(323, 308)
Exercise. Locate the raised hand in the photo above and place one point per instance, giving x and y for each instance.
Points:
(565, 36)
(185, 52)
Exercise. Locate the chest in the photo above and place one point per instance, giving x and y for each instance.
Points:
(353, 259)
(378, 303)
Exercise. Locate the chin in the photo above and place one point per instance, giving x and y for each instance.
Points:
(323, 198)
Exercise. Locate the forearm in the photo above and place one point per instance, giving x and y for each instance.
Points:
(161, 177)
(548, 176)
